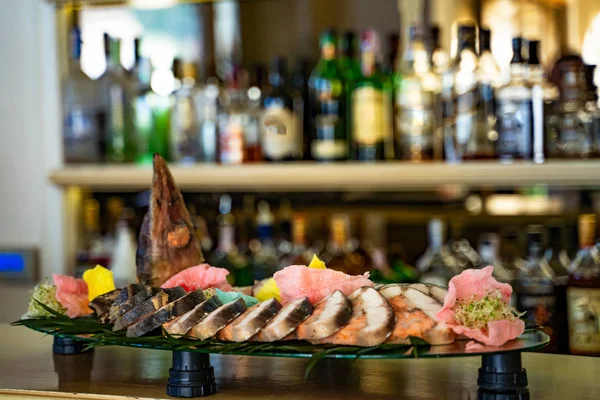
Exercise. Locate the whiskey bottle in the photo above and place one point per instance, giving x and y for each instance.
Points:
(583, 292)
(513, 113)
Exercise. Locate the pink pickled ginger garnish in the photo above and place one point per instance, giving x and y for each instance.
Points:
(298, 281)
(201, 276)
(72, 294)
(473, 283)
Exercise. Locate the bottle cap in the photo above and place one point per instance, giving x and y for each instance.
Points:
(485, 39)
(348, 44)
(517, 46)
(534, 49)
(467, 36)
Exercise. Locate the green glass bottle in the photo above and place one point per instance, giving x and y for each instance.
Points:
(348, 61)
(328, 105)
(118, 93)
(371, 119)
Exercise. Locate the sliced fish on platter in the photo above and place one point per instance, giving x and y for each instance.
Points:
(148, 307)
(329, 316)
(286, 321)
(250, 322)
(101, 304)
(371, 323)
(117, 310)
(166, 313)
(415, 315)
(182, 324)
(218, 319)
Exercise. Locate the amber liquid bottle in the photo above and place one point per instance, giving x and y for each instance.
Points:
(583, 292)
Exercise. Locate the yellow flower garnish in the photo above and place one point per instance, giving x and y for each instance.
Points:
(99, 280)
(316, 263)
(268, 291)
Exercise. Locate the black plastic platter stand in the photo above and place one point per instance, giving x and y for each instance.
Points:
(191, 375)
(68, 346)
(502, 377)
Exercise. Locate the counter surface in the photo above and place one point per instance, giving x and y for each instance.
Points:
(29, 369)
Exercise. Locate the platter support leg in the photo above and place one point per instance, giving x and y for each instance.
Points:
(502, 376)
(68, 346)
(191, 375)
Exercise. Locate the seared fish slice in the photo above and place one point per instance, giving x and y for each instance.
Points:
(371, 323)
(167, 243)
(181, 325)
(101, 304)
(116, 310)
(286, 321)
(218, 319)
(329, 316)
(415, 315)
(250, 322)
(166, 313)
(162, 298)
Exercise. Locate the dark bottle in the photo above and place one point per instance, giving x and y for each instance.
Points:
(328, 105)
(300, 84)
(513, 112)
(558, 259)
(488, 76)
(393, 51)
(583, 292)
(371, 119)
(348, 61)
(535, 287)
(300, 254)
(460, 125)
(281, 122)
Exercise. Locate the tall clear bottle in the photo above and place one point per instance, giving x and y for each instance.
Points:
(186, 133)
(415, 103)
(141, 73)
(437, 264)
(118, 93)
(281, 122)
(460, 125)
(328, 104)
(488, 80)
(514, 111)
(535, 286)
(583, 292)
(81, 128)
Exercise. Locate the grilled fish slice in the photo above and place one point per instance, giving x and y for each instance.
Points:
(371, 323)
(117, 310)
(165, 314)
(415, 315)
(250, 322)
(148, 307)
(167, 243)
(128, 292)
(181, 325)
(101, 304)
(218, 319)
(286, 321)
(329, 316)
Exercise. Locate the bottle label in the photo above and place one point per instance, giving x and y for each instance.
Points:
(280, 133)
(584, 320)
(573, 138)
(514, 129)
(231, 140)
(328, 149)
(368, 116)
(538, 307)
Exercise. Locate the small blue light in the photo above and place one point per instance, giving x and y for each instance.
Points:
(12, 262)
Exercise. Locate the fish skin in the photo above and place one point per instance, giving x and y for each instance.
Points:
(182, 324)
(317, 327)
(250, 322)
(286, 321)
(217, 320)
(148, 307)
(101, 304)
(167, 243)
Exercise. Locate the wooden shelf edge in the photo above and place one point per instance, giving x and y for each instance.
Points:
(306, 177)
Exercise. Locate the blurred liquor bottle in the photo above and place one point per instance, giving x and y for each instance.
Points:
(281, 121)
(489, 250)
(265, 262)
(234, 121)
(300, 79)
(557, 257)
(81, 127)
(514, 112)
(328, 108)
(583, 292)
(300, 254)
(342, 252)
(250, 104)
(207, 103)
(544, 97)
(488, 80)
(186, 130)
(535, 287)
(569, 133)
(118, 92)
(91, 250)
(349, 63)
(436, 265)
(123, 256)
(284, 234)
(371, 108)
(201, 229)
(460, 125)
(415, 102)
(593, 105)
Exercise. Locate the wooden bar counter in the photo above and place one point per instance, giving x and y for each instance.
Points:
(29, 370)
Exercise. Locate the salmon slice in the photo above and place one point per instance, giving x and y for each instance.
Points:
(167, 243)
(415, 313)
(371, 323)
